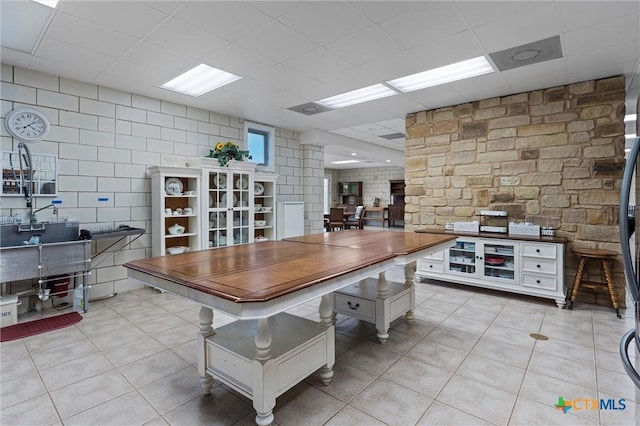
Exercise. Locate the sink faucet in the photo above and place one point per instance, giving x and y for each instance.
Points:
(33, 215)
(26, 183)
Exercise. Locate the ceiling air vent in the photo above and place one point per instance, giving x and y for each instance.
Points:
(392, 136)
(528, 54)
(310, 108)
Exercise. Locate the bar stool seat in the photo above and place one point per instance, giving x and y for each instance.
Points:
(605, 257)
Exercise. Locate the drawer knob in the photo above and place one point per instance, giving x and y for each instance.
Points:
(538, 281)
(430, 266)
(537, 266)
(537, 250)
(353, 307)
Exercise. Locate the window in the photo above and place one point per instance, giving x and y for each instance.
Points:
(326, 194)
(260, 144)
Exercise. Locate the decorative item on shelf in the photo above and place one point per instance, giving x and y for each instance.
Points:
(176, 229)
(225, 151)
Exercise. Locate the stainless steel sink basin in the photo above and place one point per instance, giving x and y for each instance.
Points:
(13, 234)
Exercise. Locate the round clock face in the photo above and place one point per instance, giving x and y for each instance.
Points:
(27, 124)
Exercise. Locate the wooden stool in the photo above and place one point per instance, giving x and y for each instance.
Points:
(605, 256)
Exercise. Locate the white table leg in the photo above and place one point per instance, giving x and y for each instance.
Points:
(409, 280)
(206, 330)
(264, 395)
(327, 318)
(382, 321)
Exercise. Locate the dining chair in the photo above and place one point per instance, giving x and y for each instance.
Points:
(336, 219)
(357, 220)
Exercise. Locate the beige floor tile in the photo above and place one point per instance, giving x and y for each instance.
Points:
(344, 343)
(53, 339)
(527, 412)
(499, 351)
(21, 389)
(75, 370)
(511, 336)
(152, 368)
(519, 321)
(220, 408)
(38, 411)
(609, 361)
(391, 403)
(305, 405)
(133, 351)
(162, 324)
(466, 325)
(172, 391)
(128, 409)
(419, 376)
(118, 337)
(89, 393)
(478, 399)
(430, 317)
(437, 355)
(453, 338)
(563, 369)
(397, 341)
(349, 416)
(441, 414)
(348, 381)
(418, 328)
(584, 355)
(546, 390)
(355, 328)
(474, 312)
(178, 335)
(158, 421)
(494, 373)
(187, 351)
(15, 361)
(371, 357)
(53, 356)
(616, 384)
(99, 326)
(438, 305)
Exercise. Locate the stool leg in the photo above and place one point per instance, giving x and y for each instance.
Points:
(609, 277)
(576, 282)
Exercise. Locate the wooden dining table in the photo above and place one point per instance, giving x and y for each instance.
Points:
(267, 351)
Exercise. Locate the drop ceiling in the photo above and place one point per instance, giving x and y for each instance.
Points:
(290, 53)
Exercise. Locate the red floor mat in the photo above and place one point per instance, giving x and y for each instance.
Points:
(31, 328)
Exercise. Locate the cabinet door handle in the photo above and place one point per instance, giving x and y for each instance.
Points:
(353, 307)
(537, 250)
(430, 266)
(537, 281)
(538, 266)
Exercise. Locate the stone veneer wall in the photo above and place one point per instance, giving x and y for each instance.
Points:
(552, 156)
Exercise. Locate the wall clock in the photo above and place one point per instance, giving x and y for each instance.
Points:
(27, 124)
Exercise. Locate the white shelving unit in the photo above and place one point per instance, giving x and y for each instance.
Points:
(164, 197)
(264, 206)
(519, 266)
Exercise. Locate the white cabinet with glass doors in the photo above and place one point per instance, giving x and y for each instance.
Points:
(175, 213)
(482, 259)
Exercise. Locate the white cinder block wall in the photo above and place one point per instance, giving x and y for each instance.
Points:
(105, 139)
(375, 182)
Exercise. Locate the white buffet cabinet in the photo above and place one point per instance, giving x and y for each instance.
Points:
(527, 266)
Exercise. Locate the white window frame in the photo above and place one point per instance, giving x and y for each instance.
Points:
(271, 144)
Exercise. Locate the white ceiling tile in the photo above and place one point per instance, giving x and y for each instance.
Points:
(482, 12)
(454, 48)
(88, 35)
(283, 77)
(481, 87)
(602, 70)
(318, 63)
(230, 20)
(165, 6)
(323, 21)
(127, 17)
(72, 71)
(436, 97)
(58, 51)
(579, 14)
(386, 68)
(185, 39)
(525, 27)
(276, 42)
(379, 11)
(350, 79)
(537, 76)
(240, 61)
(365, 45)
(22, 24)
(143, 73)
(154, 57)
(431, 21)
(602, 35)
(274, 9)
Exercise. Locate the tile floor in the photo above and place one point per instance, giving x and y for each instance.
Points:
(467, 360)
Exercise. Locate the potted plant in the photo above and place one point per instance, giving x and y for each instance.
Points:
(225, 151)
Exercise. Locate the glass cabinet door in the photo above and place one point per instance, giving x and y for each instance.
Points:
(242, 190)
(462, 258)
(499, 261)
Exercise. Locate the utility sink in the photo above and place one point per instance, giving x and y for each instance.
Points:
(14, 234)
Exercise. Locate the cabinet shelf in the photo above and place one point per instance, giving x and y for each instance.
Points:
(186, 234)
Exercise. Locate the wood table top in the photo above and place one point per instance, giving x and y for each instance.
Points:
(258, 272)
(398, 243)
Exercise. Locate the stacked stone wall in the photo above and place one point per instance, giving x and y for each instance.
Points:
(552, 157)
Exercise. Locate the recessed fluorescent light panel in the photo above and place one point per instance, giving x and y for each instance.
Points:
(358, 96)
(50, 3)
(454, 72)
(630, 117)
(345, 162)
(200, 80)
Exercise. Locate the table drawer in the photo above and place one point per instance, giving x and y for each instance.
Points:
(355, 307)
(539, 250)
(539, 265)
(430, 265)
(540, 281)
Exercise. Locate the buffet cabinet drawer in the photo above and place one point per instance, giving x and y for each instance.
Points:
(430, 265)
(539, 265)
(539, 250)
(540, 281)
(355, 307)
